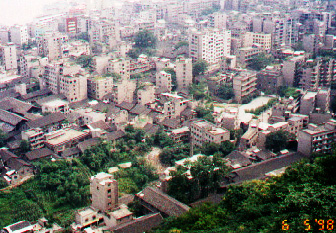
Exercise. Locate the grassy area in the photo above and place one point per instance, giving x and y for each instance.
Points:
(62, 187)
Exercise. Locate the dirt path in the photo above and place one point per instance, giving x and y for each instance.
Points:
(18, 184)
(153, 159)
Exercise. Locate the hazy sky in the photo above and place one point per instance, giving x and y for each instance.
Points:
(20, 11)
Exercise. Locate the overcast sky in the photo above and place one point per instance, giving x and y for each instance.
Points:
(20, 11)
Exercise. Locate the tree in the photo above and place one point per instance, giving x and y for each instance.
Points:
(205, 176)
(305, 191)
(85, 61)
(181, 44)
(277, 141)
(261, 61)
(144, 39)
(24, 147)
(200, 67)
(198, 91)
(225, 92)
(205, 113)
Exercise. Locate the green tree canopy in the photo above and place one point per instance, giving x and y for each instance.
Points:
(278, 140)
(144, 39)
(200, 67)
(261, 61)
(306, 191)
(225, 92)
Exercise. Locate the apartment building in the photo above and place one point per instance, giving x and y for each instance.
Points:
(52, 73)
(35, 137)
(19, 35)
(317, 101)
(269, 79)
(104, 192)
(32, 66)
(317, 138)
(244, 86)
(292, 70)
(99, 86)
(9, 56)
(318, 73)
(247, 54)
(164, 81)
(210, 45)
(218, 20)
(146, 93)
(124, 91)
(263, 40)
(51, 45)
(183, 73)
(74, 87)
(202, 131)
(119, 66)
(103, 30)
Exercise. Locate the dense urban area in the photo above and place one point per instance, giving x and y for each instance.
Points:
(169, 116)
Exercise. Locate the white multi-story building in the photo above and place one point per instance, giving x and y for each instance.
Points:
(9, 56)
(262, 40)
(244, 86)
(146, 93)
(124, 91)
(74, 87)
(164, 81)
(99, 86)
(104, 192)
(183, 73)
(51, 45)
(205, 132)
(19, 35)
(119, 66)
(210, 45)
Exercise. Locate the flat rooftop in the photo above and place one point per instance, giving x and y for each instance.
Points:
(55, 103)
(65, 135)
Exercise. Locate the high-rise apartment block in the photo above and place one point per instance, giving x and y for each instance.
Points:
(66, 79)
(146, 93)
(74, 87)
(210, 45)
(104, 192)
(18, 35)
(124, 91)
(164, 81)
(9, 56)
(120, 67)
(183, 73)
(51, 45)
(99, 86)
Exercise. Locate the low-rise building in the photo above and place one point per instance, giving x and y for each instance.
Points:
(62, 139)
(202, 131)
(55, 105)
(35, 137)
